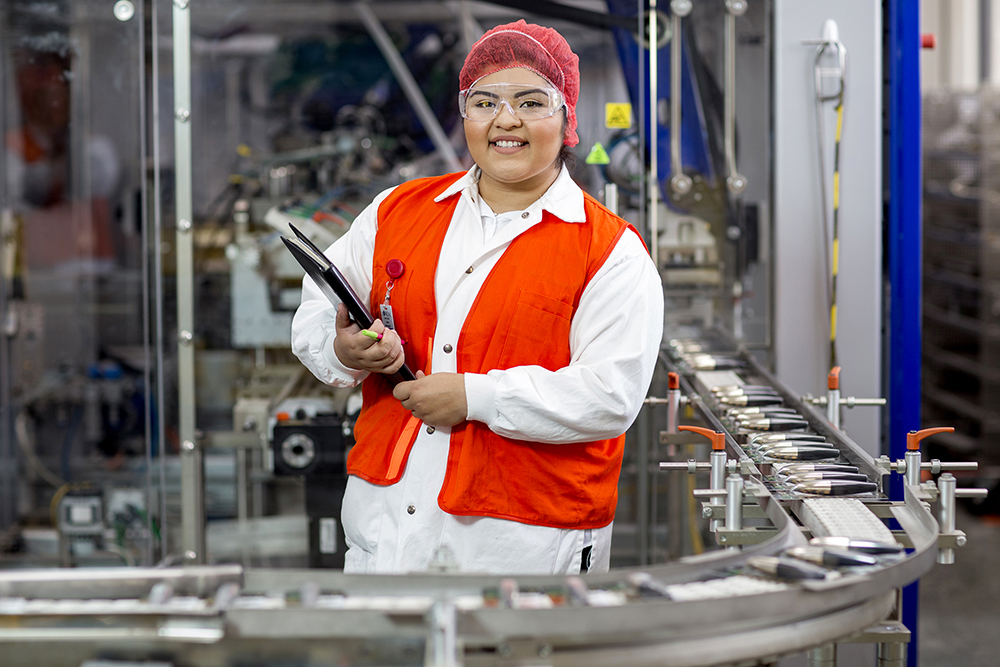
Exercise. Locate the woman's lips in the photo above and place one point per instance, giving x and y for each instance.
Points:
(508, 146)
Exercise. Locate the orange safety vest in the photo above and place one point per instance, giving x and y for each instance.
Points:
(520, 317)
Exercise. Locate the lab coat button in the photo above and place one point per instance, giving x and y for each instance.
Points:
(448, 348)
(411, 509)
(469, 270)
(524, 216)
(430, 430)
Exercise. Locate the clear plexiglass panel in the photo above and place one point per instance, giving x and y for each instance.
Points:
(75, 368)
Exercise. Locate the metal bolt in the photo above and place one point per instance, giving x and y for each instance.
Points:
(190, 555)
(680, 7)
(184, 225)
(706, 512)
(723, 539)
(181, 4)
(681, 183)
(736, 7)
(736, 184)
(544, 651)
(187, 446)
(185, 337)
(960, 540)
(124, 10)
(505, 650)
(182, 114)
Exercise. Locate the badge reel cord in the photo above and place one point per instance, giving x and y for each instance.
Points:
(830, 44)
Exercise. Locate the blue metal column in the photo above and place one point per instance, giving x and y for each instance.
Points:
(903, 246)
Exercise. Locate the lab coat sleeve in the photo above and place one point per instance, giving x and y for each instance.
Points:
(314, 324)
(614, 340)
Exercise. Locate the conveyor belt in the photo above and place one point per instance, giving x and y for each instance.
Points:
(702, 610)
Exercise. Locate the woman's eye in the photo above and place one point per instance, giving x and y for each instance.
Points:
(483, 104)
(531, 104)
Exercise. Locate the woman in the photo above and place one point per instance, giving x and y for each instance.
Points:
(532, 317)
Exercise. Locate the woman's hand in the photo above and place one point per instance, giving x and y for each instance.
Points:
(437, 399)
(357, 351)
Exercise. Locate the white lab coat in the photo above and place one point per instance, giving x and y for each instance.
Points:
(614, 340)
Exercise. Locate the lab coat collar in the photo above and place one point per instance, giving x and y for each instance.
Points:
(563, 199)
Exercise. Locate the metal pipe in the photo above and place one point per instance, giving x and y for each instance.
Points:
(192, 463)
(9, 465)
(242, 502)
(691, 466)
(643, 460)
(717, 481)
(735, 182)
(680, 182)
(654, 126)
(946, 514)
(913, 467)
(114, 582)
(960, 465)
(147, 353)
(849, 402)
(734, 502)
(471, 30)
(157, 234)
(673, 401)
(833, 407)
(936, 466)
(640, 8)
(408, 84)
(611, 197)
(673, 409)
(442, 647)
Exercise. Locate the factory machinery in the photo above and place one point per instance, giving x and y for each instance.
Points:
(813, 554)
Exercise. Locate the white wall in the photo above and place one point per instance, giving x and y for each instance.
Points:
(801, 315)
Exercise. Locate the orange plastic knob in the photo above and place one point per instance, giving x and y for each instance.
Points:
(833, 379)
(718, 439)
(913, 438)
(673, 381)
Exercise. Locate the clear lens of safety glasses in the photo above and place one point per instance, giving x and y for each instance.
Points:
(525, 102)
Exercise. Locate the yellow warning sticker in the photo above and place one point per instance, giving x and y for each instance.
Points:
(617, 114)
(598, 155)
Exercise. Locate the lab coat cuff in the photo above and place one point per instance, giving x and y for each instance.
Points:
(337, 367)
(480, 396)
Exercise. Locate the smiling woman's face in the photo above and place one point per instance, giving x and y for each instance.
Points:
(515, 154)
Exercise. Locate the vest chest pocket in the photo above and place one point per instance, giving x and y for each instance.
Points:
(538, 332)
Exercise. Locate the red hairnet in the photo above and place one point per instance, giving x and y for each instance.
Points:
(541, 50)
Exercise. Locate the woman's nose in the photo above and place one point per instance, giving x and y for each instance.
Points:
(505, 115)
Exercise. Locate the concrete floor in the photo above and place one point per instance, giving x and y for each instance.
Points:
(959, 615)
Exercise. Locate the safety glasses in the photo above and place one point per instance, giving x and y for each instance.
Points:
(481, 103)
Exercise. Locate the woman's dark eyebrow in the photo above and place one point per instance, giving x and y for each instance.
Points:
(531, 91)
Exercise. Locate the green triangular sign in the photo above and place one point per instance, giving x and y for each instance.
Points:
(598, 155)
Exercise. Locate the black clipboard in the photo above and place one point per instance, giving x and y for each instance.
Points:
(332, 283)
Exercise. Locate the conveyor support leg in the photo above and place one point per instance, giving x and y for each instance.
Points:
(824, 656)
(892, 654)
